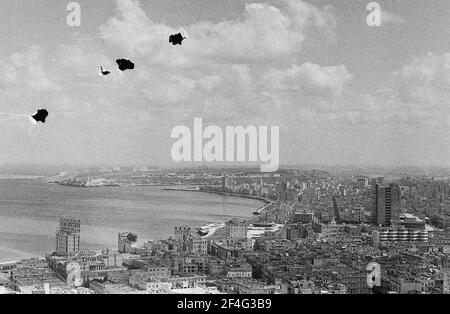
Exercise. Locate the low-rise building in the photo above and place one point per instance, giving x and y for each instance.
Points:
(239, 271)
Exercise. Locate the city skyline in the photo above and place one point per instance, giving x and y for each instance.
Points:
(341, 91)
(314, 233)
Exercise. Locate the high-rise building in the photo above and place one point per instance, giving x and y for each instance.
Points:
(68, 237)
(183, 241)
(386, 207)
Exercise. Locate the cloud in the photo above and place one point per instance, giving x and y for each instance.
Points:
(391, 18)
(27, 71)
(414, 99)
(81, 61)
(310, 79)
(242, 71)
(217, 73)
(426, 80)
(264, 31)
(251, 69)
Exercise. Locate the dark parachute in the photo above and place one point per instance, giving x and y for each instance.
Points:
(125, 64)
(40, 116)
(176, 39)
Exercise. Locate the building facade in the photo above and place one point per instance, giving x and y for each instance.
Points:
(68, 237)
(386, 207)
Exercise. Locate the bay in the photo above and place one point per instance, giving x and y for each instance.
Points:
(30, 210)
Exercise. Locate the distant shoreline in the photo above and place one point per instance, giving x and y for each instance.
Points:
(19, 177)
(256, 198)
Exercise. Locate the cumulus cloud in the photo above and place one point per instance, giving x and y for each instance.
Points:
(27, 70)
(251, 69)
(414, 98)
(218, 71)
(426, 80)
(263, 31)
(241, 71)
(310, 79)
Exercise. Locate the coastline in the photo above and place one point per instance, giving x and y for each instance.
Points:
(214, 227)
(257, 198)
(24, 252)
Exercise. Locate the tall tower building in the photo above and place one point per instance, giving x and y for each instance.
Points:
(182, 237)
(68, 237)
(386, 207)
(182, 234)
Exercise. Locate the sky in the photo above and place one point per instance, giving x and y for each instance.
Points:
(340, 91)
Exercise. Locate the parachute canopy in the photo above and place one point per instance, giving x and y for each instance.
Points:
(40, 116)
(125, 64)
(176, 39)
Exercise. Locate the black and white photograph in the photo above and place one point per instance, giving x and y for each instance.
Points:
(226, 154)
